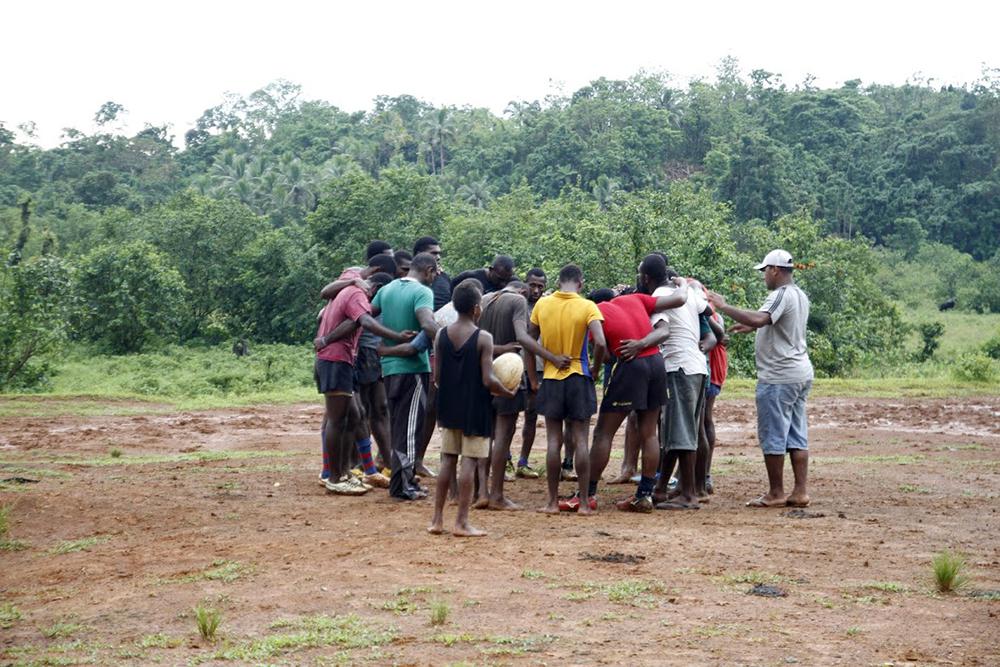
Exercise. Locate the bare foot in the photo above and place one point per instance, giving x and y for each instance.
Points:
(481, 503)
(504, 504)
(435, 528)
(797, 501)
(551, 508)
(623, 478)
(467, 531)
(585, 510)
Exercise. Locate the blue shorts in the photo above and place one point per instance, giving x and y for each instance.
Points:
(712, 390)
(781, 417)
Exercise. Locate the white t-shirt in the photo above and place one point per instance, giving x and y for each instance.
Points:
(780, 348)
(680, 351)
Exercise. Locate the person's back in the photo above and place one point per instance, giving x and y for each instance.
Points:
(399, 302)
(464, 402)
(499, 313)
(780, 348)
(563, 318)
(627, 318)
(681, 351)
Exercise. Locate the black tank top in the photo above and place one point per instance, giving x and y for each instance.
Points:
(463, 402)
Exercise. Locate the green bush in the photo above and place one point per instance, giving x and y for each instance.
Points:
(975, 367)
(991, 348)
(130, 296)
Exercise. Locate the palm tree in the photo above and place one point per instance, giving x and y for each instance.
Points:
(475, 192)
(439, 128)
(604, 190)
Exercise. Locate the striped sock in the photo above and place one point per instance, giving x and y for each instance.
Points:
(365, 450)
(326, 457)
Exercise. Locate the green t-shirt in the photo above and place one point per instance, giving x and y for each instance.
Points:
(399, 302)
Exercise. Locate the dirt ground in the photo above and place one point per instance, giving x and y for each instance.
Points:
(134, 520)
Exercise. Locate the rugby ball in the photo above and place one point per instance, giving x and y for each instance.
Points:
(509, 368)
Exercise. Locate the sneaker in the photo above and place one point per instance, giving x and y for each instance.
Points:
(386, 471)
(572, 503)
(355, 481)
(344, 488)
(642, 504)
(323, 480)
(568, 475)
(672, 484)
(527, 472)
(508, 471)
(377, 480)
(357, 472)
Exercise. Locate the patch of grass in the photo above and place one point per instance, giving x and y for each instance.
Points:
(518, 645)
(913, 488)
(635, 593)
(347, 632)
(115, 453)
(226, 571)
(853, 631)
(13, 545)
(948, 571)
(531, 574)
(451, 640)
(11, 470)
(160, 640)
(886, 586)
(899, 459)
(62, 629)
(752, 577)
(208, 621)
(826, 603)
(4, 520)
(403, 602)
(992, 596)
(82, 544)
(9, 615)
(439, 612)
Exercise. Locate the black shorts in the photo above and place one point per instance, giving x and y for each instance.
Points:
(509, 406)
(637, 384)
(334, 377)
(573, 398)
(368, 365)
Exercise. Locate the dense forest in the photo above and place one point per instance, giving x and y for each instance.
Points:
(132, 240)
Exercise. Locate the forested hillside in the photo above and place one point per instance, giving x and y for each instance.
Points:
(229, 228)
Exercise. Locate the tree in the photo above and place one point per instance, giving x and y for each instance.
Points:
(130, 295)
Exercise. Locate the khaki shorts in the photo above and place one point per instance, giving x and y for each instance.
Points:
(453, 441)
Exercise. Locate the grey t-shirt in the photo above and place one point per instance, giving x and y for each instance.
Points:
(780, 348)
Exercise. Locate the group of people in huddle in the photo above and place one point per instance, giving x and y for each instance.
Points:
(403, 348)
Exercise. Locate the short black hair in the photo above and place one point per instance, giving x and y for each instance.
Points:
(472, 282)
(504, 262)
(384, 263)
(376, 248)
(401, 254)
(535, 271)
(381, 278)
(601, 295)
(465, 298)
(423, 261)
(423, 243)
(666, 260)
(653, 266)
(570, 272)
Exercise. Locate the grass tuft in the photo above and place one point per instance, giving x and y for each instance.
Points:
(948, 571)
(208, 621)
(62, 629)
(347, 632)
(9, 615)
(531, 574)
(115, 453)
(83, 544)
(439, 612)
(160, 640)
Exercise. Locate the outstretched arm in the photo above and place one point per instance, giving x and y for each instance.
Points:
(747, 320)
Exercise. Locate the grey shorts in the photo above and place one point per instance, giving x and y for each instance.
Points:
(781, 417)
(681, 417)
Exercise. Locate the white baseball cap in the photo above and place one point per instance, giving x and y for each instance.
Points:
(776, 257)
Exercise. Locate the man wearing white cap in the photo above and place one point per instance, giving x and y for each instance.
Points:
(784, 376)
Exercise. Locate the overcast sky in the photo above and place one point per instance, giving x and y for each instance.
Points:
(169, 61)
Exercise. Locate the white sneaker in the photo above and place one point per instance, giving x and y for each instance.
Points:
(344, 488)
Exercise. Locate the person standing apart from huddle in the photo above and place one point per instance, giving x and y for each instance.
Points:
(784, 377)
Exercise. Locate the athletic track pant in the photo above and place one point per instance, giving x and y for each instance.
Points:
(407, 394)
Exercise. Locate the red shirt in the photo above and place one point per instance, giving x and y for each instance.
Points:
(718, 358)
(350, 304)
(627, 318)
